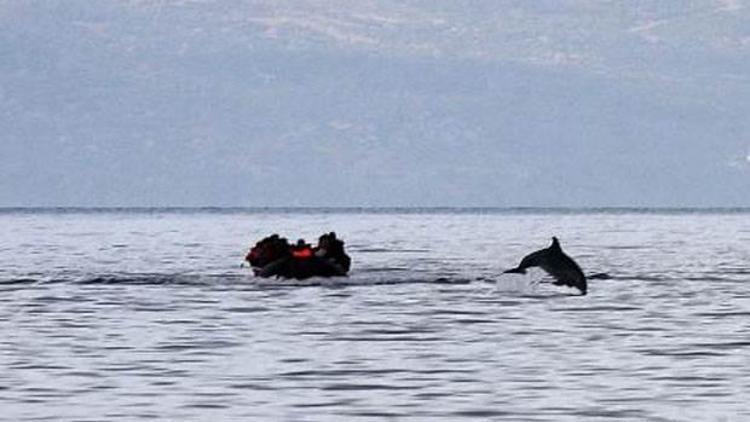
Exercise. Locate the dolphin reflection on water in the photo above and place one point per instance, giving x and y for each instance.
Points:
(557, 264)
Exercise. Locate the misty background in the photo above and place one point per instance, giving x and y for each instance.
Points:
(374, 103)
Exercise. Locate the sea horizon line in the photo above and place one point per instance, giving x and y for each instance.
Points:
(380, 209)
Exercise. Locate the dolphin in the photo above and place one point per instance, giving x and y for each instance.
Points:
(557, 264)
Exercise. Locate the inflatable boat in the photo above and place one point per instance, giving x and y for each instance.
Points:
(274, 256)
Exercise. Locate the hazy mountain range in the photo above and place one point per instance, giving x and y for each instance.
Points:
(375, 103)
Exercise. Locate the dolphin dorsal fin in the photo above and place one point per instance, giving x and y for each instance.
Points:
(555, 243)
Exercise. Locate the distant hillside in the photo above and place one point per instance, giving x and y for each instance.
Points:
(338, 103)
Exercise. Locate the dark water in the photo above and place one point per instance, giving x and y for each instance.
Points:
(124, 315)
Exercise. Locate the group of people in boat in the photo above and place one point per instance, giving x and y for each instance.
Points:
(275, 256)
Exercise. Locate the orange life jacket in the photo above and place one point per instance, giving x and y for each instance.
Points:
(304, 253)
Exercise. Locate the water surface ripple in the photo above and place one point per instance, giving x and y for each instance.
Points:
(122, 315)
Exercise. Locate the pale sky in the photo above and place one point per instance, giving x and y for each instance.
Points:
(374, 103)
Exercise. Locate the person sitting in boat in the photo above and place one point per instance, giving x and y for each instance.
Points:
(269, 255)
(302, 250)
(331, 249)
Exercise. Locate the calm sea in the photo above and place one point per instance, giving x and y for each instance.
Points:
(129, 315)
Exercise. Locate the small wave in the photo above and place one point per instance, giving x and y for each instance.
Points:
(357, 281)
(16, 281)
(736, 270)
(708, 277)
(387, 250)
(625, 247)
(719, 276)
(384, 269)
(723, 346)
(156, 279)
(140, 279)
(684, 354)
(727, 314)
(643, 277)
(128, 279)
(601, 309)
